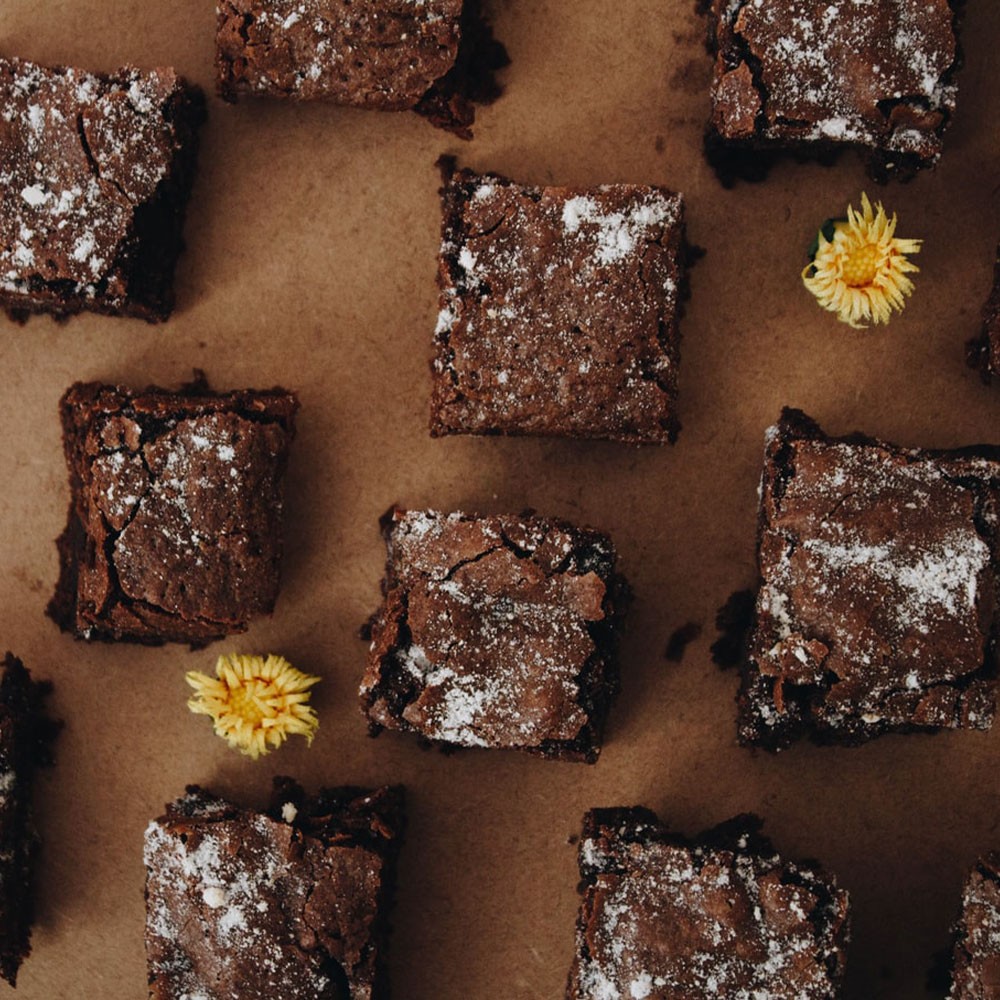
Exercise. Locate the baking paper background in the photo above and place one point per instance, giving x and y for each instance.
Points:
(310, 261)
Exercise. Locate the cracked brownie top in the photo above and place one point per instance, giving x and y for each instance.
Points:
(878, 601)
(496, 631)
(558, 310)
(175, 525)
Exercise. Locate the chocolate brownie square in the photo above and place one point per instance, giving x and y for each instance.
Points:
(95, 173)
(25, 738)
(878, 602)
(984, 351)
(719, 916)
(559, 310)
(976, 957)
(436, 57)
(814, 78)
(291, 903)
(174, 526)
(495, 631)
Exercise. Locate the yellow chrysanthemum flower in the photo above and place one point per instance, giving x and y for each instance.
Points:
(255, 703)
(859, 269)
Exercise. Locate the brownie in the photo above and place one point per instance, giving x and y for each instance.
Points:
(814, 78)
(559, 310)
(174, 525)
(877, 608)
(291, 902)
(984, 351)
(719, 916)
(25, 738)
(976, 958)
(95, 173)
(495, 631)
(435, 57)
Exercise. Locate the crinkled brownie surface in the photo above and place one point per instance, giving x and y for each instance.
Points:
(290, 902)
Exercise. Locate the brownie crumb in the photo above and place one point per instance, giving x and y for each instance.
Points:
(734, 620)
(679, 640)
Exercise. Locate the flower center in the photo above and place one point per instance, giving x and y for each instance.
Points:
(860, 266)
(246, 705)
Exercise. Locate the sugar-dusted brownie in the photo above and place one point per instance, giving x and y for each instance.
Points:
(291, 902)
(436, 57)
(976, 956)
(559, 310)
(25, 737)
(95, 173)
(718, 916)
(174, 532)
(813, 78)
(496, 630)
(877, 608)
(984, 351)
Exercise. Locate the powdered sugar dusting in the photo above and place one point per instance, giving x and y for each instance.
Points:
(617, 234)
(227, 907)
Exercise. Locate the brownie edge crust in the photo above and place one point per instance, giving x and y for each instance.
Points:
(720, 915)
(174, 530)
(877, 608)
(495, 631)
(290, 902)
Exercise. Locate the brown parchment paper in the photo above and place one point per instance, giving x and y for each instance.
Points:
(311, 238)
